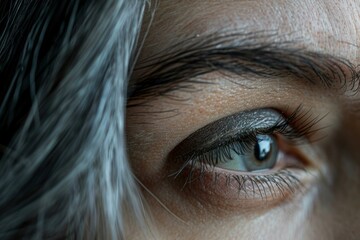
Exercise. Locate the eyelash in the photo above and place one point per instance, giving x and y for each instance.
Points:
(205, 160)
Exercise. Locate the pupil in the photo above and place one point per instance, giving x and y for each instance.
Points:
(263, 148)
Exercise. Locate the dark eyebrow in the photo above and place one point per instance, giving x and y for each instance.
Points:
(257, 54)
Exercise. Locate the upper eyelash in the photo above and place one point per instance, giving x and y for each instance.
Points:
(240, 144)
(302, 123)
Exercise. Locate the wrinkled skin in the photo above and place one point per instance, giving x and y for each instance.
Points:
(329, 205)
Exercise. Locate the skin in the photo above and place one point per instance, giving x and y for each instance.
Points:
(328, 207)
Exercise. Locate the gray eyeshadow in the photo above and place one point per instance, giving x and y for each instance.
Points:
(239, 124)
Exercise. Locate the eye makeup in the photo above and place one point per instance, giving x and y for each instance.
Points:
(222, 160)
(222, 131)
(238, 132)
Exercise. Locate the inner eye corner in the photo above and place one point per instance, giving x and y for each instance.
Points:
(293, 151)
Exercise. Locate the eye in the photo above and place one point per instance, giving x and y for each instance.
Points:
(246, 156)
(262, 154)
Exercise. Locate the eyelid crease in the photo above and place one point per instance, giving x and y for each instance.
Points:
(233, 126)
(246, 125)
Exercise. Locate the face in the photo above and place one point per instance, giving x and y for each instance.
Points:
(243, 120)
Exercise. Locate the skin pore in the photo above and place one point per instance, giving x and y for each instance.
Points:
(326, 206)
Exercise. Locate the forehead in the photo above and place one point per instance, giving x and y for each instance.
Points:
(327, 26)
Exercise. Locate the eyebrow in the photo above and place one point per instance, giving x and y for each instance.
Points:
(257, 54)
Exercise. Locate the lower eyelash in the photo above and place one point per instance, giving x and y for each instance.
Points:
(263, 186)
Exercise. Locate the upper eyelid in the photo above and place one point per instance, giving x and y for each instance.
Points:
(230, 126)
(253, 54)
(245, 125)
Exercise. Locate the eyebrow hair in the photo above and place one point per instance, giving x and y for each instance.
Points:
(256, 54)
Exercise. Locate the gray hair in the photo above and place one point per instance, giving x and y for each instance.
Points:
(64, 70)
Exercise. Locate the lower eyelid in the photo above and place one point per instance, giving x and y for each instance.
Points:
(240, 193)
